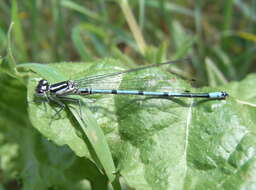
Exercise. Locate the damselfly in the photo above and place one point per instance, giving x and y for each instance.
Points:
(60, 91)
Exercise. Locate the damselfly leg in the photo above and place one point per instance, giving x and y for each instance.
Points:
(58, 102)
(75, 100)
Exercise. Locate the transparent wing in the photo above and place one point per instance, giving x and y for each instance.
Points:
(139, 83)
(143, 78)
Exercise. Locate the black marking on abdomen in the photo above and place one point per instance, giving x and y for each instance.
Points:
(140, 92)
(85, 91)
(114, 92)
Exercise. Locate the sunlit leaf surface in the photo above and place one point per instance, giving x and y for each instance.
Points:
(162, 143)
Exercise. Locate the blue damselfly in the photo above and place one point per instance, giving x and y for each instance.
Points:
(60, 91)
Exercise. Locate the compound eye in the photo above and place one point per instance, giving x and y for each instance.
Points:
(42, 86)
(43, 82)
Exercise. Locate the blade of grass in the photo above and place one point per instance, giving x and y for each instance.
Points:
(182, 40)
(133, 25)
(120, 35)
(187, 45)
(104, 11)
(198, 26)
(215, 76)
(3, 39)
(161, 53)
(156, 55)
(247, 58)
(4, 7)
(59, 30)
(34, 30)
(18, 32)
(171, 7)
(116, 184)
(228, 12)
(178, 34)
(98, 45)
(226, 62)
(97, 139)
(97, 36)
(245, 9)
(122, 57)
(141, 13)
(79, 45)
(168, 20)
(247, 36)
(200, 44)
(8, 64)
(76, 7)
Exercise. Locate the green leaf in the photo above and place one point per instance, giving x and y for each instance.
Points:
(169, 146)
(43, 70)
(29, 159)
(49, 166)
(160, 143)
(62, 130)
(12, 122)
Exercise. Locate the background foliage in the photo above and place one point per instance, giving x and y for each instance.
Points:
(220, 39)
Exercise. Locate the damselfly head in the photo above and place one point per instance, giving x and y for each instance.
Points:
(42, 87)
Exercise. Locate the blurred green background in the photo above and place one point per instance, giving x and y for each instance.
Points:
(219, 36)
